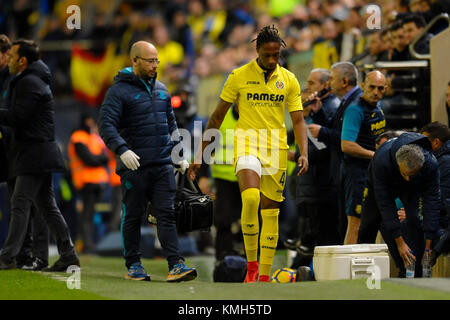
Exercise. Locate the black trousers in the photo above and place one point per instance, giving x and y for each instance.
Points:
(116, 208)
(35, 244)
(157, 185)
(90, 195)
(227, 210)
(37, 189)
(318, 224)
(411, 227)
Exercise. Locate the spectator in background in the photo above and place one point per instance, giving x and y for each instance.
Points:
(439, 135)
(419, 5)
(413, 26)
(398, 80)
(343, 83)
(401, 41)
(170, 52)
(196, 20)
(57, 60)
(316, 31)
(405, 168)
(88, 162)
(431, 8)
(30, 116)
(327, 52)
(182, 34)
(363, 122)
(387, 40)
(401, 7)
(353, 36)
(376, 48)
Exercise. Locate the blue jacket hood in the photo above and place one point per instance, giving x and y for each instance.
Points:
(410, 138)
(126, 74)
(445, 149)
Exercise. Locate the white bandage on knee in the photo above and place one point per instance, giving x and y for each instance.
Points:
(249, 162)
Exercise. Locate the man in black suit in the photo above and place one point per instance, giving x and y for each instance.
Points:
(343, 83)
(30, 115)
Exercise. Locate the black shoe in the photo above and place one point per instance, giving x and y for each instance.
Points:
(305, 251)
(7, 266)
(62, 265)
(402, 273)
(25, 263)
(39, 264)
(291, 244)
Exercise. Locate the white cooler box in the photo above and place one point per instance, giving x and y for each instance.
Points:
(351, 261)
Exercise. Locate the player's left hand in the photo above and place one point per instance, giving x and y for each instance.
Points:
(303, 165)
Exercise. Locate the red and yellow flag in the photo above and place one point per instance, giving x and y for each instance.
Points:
(91, 75)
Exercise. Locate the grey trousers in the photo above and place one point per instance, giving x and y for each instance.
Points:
(37, 189)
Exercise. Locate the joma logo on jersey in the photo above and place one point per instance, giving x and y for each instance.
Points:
(265, 97)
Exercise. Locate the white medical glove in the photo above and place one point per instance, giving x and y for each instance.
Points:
(183, 166)
(130, 160)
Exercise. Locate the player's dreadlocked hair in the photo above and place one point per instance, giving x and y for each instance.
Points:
(268, 34)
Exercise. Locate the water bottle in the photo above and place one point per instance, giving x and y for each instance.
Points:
(426, 267)
(410, 268)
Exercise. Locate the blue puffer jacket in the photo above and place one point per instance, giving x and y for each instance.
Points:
(387, 182)
(138, 116)
(443, 158)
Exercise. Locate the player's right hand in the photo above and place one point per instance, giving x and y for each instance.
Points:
(130, 160)
(193, 170)
(303, 165)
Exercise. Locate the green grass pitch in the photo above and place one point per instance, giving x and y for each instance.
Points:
(103, 278)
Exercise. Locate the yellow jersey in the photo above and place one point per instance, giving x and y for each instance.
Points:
(261, 106)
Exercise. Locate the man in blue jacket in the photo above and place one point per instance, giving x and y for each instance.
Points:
(403, 167)
(138, 124)
(439, 135)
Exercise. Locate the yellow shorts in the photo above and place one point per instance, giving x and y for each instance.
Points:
(273, 174)
(272, 186)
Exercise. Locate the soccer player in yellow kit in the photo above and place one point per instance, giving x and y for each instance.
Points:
(262, 89)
